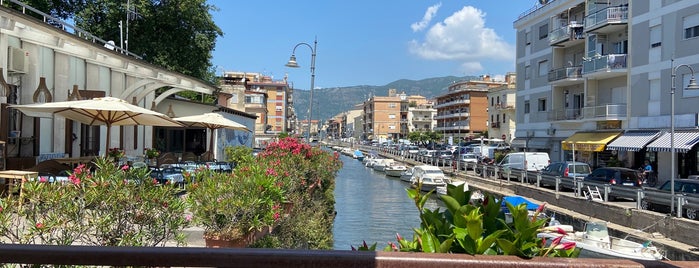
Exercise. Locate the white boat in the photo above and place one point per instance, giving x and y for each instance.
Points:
(395, 170)
(407, 175)
(382, 164)
(476, 195)
(429, 177)
(595, 242)
(372, 161)
(347, 151)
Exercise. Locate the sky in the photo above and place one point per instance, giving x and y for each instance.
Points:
(367, 42)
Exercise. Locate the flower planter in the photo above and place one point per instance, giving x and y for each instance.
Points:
(240, 242)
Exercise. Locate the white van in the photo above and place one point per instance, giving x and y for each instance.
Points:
(534, 161)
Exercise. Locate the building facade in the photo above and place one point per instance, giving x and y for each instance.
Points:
(501, 110)
(462, 112)
(594, 82)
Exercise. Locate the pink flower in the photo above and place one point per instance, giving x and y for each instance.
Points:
(39, 225)
(125, 167)
(566, 246)
(74, 179)
(188, 217)
(43, 179)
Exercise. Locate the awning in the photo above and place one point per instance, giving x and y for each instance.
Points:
(589, 141)
(536, 143)
(684, 141)
(633, 140)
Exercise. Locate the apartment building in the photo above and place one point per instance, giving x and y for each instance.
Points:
(462, 112)
(421, 116)
(595, 82)
(501, 110)
(270, 100)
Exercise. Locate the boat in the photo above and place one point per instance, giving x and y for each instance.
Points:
(381, 165)
(595, 242)
(358, 155)
(395, 170)
(407, 175)
(476, 195)
(347, 151)
(372, 161)
(516, 200)
(428, 177)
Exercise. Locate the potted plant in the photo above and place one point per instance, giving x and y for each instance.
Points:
(115, 153)
(234, 209)
(151, 153)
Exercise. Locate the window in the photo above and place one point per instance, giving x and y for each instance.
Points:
(691, 26)
(503, 118)
(527, 72)
(655, 36)
(543, 68)
(527, 38)
(391, 127)
(392, 116)
(542, 105)
(279, 108)
(526, 107)
(492, 101)
(391, 105)
(621, 47)
(543, 31)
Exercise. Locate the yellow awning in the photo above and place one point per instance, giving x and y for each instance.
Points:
(589, 141)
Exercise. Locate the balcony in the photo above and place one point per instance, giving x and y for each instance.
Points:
(452, 102)
(567, 35)
(607, 20)
(422, 119)
(605, 66)
(452, 115)
(450, 127)
(605, 112)
(565, 114)
(495, 125)
(565, 76)
(505, 105)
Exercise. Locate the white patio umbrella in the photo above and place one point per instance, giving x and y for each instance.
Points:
(212, 121)
(107, 111)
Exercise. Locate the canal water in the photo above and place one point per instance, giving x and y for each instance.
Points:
(372, 207)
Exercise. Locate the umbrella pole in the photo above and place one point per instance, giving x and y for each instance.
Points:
(109, 128)
(211, 140)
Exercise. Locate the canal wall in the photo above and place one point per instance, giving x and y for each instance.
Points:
(677, 236)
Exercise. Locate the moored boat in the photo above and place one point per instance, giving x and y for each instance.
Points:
(595, 242)
(428, 177)
(381, 165)
(407, 175)
(395, 170)
(358, 155)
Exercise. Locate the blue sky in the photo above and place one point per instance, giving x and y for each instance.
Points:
(367, 42)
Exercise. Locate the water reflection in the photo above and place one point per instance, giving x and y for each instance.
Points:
(371, 207)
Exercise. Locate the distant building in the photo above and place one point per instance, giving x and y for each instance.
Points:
(501, 110)
(386, 118)
(462, 112)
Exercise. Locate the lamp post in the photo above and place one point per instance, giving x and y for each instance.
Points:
(293, 64)
(691, 86)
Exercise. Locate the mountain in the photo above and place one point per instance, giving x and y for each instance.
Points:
(328, 102)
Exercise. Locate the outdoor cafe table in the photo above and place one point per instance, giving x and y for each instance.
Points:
(11, 177)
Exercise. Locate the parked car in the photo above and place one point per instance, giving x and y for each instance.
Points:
(569, 169)
(412, 149)
(534, 161)
(466, 160)
(658, 199)
(616, 176)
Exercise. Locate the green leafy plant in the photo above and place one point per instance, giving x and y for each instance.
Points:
(115, 153)
(114, 206)
(478, 228)
(151, 153)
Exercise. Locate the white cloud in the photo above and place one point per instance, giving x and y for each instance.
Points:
(463, 37)
(471, 67)
(429, 13)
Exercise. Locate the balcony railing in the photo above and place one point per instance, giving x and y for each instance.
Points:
(565, 73)
(565, 114)
(453, 102)
(610, 111)
(572, 31)
(421, 119)
(606, 16)
(604, 63)
(505, 105)
(495, 125)
(452, 115)
(251, 257)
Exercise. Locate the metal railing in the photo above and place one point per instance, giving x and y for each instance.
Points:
(605, 16)
(610, 111)
(604, 63)
(565, 73)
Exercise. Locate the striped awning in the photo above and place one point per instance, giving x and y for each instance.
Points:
(633, 140)
(684, 141)
(589, 141)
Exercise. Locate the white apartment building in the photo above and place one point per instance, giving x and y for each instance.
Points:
(501, 110)
(596, 77)
(421, 117)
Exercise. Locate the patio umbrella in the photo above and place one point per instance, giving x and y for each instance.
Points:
(212, 121)
(107, 111)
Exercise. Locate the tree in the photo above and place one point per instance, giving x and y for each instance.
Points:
(178, 35)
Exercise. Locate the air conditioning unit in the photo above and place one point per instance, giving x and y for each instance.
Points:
(18, 60)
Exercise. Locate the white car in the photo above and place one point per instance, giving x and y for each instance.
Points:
(468, 160)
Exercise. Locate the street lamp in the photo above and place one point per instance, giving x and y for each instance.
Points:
(691, 86)
(292, 64)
